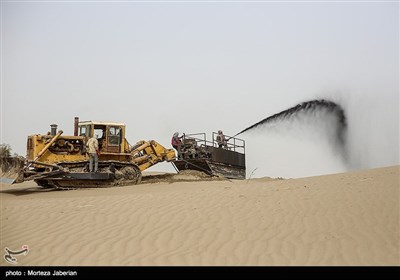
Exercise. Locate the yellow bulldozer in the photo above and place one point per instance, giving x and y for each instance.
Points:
(55, 160)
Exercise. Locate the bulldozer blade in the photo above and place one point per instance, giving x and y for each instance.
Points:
(12, 170)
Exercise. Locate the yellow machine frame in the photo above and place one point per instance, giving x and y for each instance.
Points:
(112, 143)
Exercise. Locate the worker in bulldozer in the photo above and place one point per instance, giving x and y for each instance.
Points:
(93, 149)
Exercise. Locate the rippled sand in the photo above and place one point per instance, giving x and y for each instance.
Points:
(341, 219)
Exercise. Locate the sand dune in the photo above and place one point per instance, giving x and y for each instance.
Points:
(341, 219)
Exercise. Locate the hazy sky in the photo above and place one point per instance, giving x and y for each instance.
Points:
(190, 66)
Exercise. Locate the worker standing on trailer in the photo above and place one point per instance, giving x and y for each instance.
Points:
(93, 147)
(222, 143)
(176, 142)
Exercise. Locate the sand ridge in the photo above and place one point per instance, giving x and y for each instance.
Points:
(341, 219)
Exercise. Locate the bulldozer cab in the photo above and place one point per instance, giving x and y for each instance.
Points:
(111, 136)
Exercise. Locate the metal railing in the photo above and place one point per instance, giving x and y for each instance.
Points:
(232, 143)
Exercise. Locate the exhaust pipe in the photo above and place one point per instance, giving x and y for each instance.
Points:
(76, 122)
(53, 129)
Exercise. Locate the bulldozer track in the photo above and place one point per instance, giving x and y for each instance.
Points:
(117, 173)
